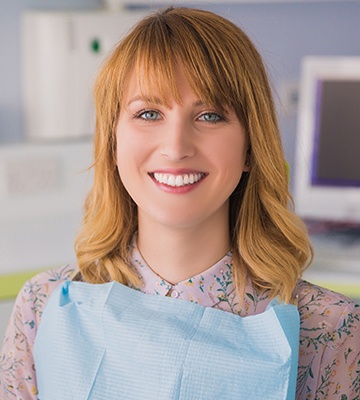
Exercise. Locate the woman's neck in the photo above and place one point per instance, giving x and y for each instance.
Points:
(177, 254)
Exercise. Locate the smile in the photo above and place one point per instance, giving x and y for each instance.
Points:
(177, 180)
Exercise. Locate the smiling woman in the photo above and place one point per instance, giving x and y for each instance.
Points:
(224, 75)
(190, 255)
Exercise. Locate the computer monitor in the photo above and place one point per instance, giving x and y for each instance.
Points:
(327, 173)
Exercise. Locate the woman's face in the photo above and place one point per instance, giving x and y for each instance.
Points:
(179, 163)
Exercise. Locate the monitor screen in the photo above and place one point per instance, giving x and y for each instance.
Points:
(336, 158)
(327, 176)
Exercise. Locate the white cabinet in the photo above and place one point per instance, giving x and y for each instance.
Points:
(62, 52)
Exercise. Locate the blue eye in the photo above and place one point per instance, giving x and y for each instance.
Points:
(149, 115)
(210, 117)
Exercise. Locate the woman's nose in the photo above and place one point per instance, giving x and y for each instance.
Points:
(178, 141)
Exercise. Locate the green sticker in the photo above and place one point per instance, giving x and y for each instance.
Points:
(96, 46)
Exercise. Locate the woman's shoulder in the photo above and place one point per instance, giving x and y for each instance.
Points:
(311, 294)
(44, 283)
(322, 301)
(329, 343)
(29, 307)
(34, 294)
(323, 310)
(54, 276)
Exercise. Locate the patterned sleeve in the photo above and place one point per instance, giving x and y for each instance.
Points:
(339, 376)
(329, 362)
(17, 373)
(17, 370)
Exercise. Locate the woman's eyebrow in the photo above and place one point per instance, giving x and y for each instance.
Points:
(155, 100)
(199, 103)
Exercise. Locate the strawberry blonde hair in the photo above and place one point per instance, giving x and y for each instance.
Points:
(270, 245)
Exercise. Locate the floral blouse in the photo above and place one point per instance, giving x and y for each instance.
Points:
(329, 359)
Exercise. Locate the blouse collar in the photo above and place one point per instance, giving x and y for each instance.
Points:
(207, 288)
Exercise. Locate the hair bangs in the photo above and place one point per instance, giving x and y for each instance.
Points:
(154, 64)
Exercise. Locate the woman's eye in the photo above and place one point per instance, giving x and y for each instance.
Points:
(210, 117)
(148, 115)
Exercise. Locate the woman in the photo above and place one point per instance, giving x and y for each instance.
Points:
(190, 202)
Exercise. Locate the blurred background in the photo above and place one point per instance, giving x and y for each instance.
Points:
(50, 53)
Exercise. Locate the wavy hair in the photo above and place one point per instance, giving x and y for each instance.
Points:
(269, 242)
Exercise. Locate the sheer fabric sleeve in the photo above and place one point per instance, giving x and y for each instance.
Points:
(17, 369)
(339, 376)
(17, 372)
(329, 358)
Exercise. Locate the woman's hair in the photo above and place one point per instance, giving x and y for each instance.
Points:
(269, 243)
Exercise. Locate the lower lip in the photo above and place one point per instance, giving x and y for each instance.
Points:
(180, 189)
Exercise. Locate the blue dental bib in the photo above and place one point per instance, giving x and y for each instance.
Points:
(107, 342)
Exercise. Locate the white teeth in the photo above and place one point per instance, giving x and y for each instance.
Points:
(177, 180)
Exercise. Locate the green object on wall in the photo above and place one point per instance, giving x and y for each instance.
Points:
(11, 284)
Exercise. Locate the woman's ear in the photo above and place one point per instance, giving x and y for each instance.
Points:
(247, 161)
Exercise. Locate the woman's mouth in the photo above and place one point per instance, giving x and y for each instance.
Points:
(177, 180)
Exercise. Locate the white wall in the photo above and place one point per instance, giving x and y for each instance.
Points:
(42, 190)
